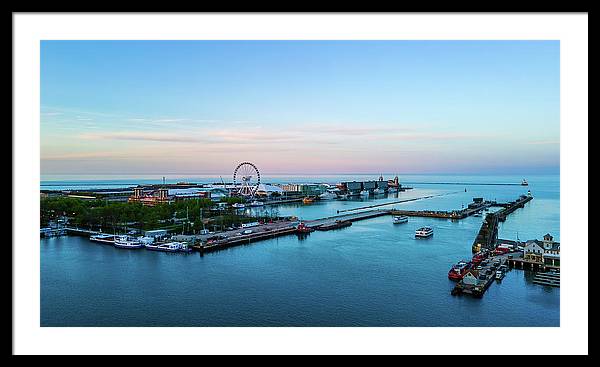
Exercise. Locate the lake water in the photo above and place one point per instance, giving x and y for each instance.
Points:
(373, 273)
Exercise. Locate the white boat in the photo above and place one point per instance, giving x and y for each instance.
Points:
(128, 242)
(392, 189)
(499, 274)
(168, 247)
(257, 203)
(328, 195)
(400, 219)
(103, 238)
(343, 197)
(364, 193)
(238, 205)
(477, 214)
(524, 183)
(424, 232)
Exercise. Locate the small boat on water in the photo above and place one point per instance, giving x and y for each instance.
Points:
(424, 232)
(400, 219)
(392, 189)
(477, 214)
(257, 203)
(524, 183)
(128, 242)
(308, 200)
(168, 247)
(364, 193)
(378, 191)
(238, 205)
(103, 238)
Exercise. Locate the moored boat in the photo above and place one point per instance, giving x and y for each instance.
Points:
(238, 205)
(424, 232)
(128, 242)
(103, 238)
(458, 270)
(524, 183)
(257, 203)
(308, 200)
(364, 193)
(168, 247)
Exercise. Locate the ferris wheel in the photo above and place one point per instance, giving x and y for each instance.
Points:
(246, 175)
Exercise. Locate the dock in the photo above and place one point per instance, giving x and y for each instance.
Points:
(487, 237)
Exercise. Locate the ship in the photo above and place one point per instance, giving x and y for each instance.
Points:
(103, 238)
(364, 193)
(327, 195)
(302, 228)
(458, 270)
(524, 183)
(400, 219)
(128, 242)
(424, 232)
(168, 247)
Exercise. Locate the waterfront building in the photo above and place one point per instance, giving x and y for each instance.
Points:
(545, 252)
(267, 190)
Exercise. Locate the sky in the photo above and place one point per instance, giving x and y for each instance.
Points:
(300, 107)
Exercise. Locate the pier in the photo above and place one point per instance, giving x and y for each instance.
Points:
(488, 233)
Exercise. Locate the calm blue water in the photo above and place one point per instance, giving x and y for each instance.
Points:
(373, 273)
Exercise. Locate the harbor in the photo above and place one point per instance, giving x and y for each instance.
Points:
(365, 233)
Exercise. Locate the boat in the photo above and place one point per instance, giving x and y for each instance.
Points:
(364, 193)
(328, 195)
(458, 270)
(477, 214)
(524, 183)
(308, 200)
(499, 274)
(378, 191)
(400, 219)
(103, 238)
(424, 232)
(238, 205)
(146, 240)
(257, 203)
(168, 247)
(392, 189)
(479, 257)
(343, 197)
(128, 242)
(302, 228)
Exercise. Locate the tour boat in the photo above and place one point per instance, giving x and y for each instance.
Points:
(364, 193)
(128, 242)
(524, 183)
(400, 219)
(477, 214)
(167, 247)
(392, 189)
(424, 232)
(103, 238)
(238, 205)
(257, 203)
(479, 257)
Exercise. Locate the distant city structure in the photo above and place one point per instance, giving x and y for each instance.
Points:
(167, 193)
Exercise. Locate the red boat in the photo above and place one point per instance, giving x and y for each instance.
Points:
(479, 257)
(458, 271)
(302, 228)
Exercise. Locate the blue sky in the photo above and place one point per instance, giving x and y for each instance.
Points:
(198, 107)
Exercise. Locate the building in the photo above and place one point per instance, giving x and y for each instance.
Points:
(267, 190)
(369, 185)
(353, 187)
(545, 252)
(163, 195)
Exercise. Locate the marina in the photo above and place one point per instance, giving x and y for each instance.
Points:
(360, 218)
